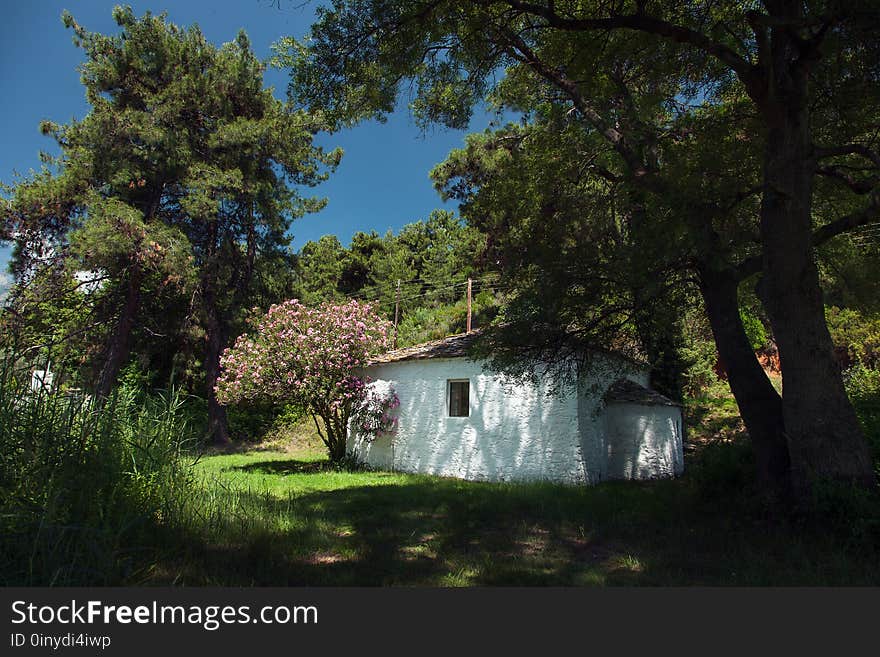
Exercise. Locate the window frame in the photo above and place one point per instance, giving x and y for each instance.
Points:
(449, 383)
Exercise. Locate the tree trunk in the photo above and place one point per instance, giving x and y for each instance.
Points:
(218, 424)
(340, 431)
(760, 406)
(120, 341)
(825, 441)
(336, 446)
(215, 340)
(336, 430)
(216, 329)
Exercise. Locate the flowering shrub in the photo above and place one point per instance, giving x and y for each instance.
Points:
(310, 357)
(374, 419)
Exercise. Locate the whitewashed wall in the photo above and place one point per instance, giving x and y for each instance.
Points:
(518, 432)
(643, 441)
(512, 433)
(599, 374)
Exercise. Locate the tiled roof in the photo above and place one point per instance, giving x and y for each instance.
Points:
(626, 391)
(454, 346)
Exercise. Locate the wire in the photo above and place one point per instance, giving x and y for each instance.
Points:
(375, 292)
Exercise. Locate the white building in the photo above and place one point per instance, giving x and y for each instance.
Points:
(41, 380)
(459, 419)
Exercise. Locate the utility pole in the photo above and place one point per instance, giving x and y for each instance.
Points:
(469, 305)
(396, 311)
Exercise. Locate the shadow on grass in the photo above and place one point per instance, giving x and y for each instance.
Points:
(442, 532)
(711, 419)
(289, 466)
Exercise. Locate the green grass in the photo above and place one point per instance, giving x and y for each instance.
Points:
(111, 496)
(278, 518)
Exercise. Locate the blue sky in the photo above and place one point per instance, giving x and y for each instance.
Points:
(381, 184)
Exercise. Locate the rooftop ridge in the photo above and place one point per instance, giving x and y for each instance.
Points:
(453, 346)
(628, 391)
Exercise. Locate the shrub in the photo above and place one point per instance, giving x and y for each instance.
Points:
(86, 489)
(863, 387)
(307, 357)
(251, 422)
(754, 328)
(855, 333)
(375, 416)
(700, 357)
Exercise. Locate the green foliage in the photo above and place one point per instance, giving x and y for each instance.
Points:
(321, 265)
(855, 332)
(863, 387)
(754, 327)
(252, 422)
(179, 187)
(582, 256)
(86, 491)
(700, 357)
(432, 322)
(848, 263)
(432, 259)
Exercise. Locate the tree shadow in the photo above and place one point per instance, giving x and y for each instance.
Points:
(429, 531)
(443, 532)
(288, 466)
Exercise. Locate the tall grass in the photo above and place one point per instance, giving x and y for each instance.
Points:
(87, 490)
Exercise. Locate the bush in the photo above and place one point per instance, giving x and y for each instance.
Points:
(256, 422)
(863, 387)
(435, 322)
(85, 489)
(724, 473)
(251, 422)
(754, 328)
(699, 357)
(856, 334)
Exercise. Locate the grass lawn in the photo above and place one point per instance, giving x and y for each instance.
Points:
(289, 518)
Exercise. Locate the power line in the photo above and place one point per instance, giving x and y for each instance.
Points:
(375, 292)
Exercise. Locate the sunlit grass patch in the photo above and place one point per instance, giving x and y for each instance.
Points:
(276, 518)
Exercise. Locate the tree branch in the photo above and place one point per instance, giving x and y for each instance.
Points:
(642, 23)
(320, 433)
(859, 186)
(867, 215)
(848, 149)
(522, 52)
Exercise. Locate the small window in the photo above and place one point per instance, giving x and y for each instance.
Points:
(459, 398)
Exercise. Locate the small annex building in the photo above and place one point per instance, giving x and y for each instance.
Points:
(457, 418)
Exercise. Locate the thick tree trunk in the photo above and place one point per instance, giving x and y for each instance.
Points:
(760, 406)
(825, 440)
(120, 341)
